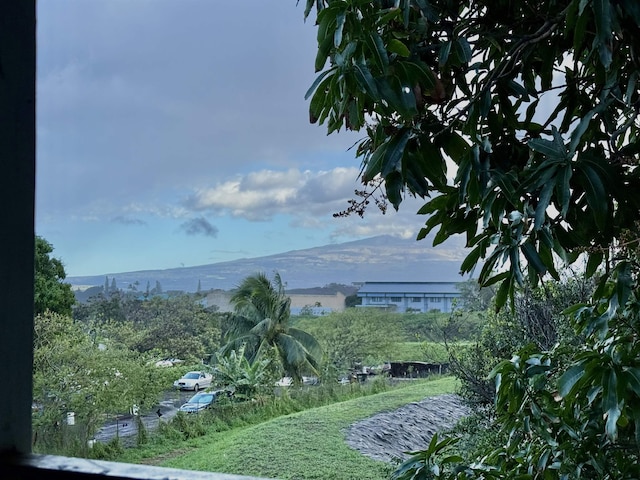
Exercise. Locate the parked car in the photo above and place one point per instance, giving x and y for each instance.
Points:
(199, 402)
(284, 382)
(193, 381)
(310, 380)
(288, 381)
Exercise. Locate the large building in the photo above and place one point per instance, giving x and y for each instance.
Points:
(410, 296)
(316, 304)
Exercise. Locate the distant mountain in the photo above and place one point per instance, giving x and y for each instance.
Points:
(382, 258)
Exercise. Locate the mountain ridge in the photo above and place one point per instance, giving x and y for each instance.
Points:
(377, 258)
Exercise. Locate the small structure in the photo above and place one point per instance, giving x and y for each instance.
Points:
(410, 296)
(416, 369)
(315, 304)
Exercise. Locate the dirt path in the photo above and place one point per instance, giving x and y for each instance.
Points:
(388, 435)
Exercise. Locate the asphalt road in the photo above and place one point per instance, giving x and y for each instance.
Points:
(125, 425)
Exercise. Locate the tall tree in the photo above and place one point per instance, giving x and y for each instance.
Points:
(519, 122)
(261, 323)
(536, 107)
(357, 335)
(50, 291)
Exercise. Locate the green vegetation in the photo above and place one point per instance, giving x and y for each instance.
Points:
(175, 327)
(356, 336)
(71, 374)
(50, 292)
(532, 109)
(432, 352)
(261, 327)
(309, 444)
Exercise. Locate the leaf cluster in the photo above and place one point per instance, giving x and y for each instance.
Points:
(72, 374)
(517, 121)
(50, 291)
(261, 323)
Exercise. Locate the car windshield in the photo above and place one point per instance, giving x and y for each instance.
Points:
(202, 398)
(192, 375)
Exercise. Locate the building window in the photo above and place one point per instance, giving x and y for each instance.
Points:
(416, 299)
(377, 299)
(436, 300)
(396, 299)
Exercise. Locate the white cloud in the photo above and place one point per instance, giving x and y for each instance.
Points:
(260, 195)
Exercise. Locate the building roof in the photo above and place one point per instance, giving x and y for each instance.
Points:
(420, 288)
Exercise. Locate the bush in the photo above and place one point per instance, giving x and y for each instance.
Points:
(143, 435)
(107, 451)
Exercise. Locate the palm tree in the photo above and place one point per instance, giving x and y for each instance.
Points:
(261, 323)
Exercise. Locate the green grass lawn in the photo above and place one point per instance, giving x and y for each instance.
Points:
(305, 445)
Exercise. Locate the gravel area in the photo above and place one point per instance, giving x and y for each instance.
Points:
(388, 435)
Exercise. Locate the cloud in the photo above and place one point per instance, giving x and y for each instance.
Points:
(259, 196)
(127, 221)
(160, 106)
(199, 226)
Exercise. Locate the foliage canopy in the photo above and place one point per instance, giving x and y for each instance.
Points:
(50, 293)
(261, 323)
(519, 121)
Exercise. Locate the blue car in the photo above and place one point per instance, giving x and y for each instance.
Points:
(199, 402)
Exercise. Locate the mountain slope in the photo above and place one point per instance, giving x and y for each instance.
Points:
(381, 258)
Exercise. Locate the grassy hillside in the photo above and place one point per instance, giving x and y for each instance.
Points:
(306, 445)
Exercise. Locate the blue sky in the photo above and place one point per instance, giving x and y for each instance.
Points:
(175, 133)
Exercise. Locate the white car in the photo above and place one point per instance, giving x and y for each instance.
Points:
(193, 381)
(284, 382)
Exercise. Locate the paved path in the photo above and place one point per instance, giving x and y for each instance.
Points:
(388, 435)
(125, 426)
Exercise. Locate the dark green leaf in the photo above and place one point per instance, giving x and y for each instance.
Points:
(595, 194)
(378, 51)
(366, 81)
(602, 16)
(443, 54)
(395, 151)
(632, 8)
(323, 53)
(317, 81)
(610, 404)
(563, 189)
(531, 254)
(570, 378)
(374, 163)
(393, 188)
(485, 106)
(462, 51)
(543, 204)
(504, 292)
(405, 12)
(547, 148)
(337, 36)
(391, 14)
(472, 259)
(633, 379)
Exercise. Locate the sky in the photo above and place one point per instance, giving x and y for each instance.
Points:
(176, 133)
